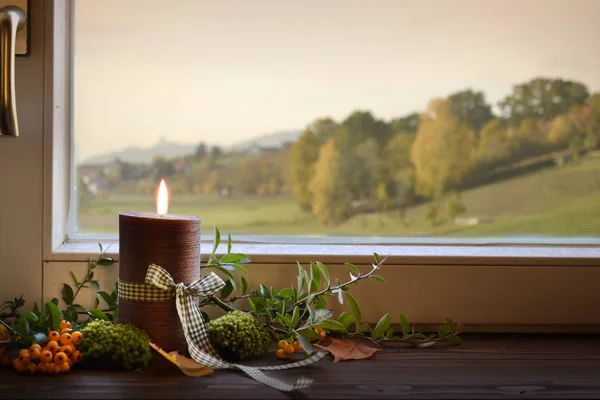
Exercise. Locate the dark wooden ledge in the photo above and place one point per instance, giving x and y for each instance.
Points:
(486, 366)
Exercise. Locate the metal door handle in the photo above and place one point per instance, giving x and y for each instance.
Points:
(12, 20)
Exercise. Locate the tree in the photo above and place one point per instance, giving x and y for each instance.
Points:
(494, 143)
(304, 154)
(561, 130)
(200, 152)
(455, 206)
(398, 168)
(442, 151)
(330, 197)
(542, 98)
(406, 124)
(360, 126)
(471, 108)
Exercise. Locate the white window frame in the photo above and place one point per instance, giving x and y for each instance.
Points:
(534, 259)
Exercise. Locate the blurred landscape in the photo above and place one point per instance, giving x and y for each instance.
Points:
(461, 167)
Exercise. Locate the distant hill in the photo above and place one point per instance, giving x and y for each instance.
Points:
(276, 139)
(169, 149)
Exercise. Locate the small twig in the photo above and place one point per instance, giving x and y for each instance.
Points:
(218, 302)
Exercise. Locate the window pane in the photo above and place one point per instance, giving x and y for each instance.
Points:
(405, 119)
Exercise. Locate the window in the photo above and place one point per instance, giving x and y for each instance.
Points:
(362, 119)
(512, 271)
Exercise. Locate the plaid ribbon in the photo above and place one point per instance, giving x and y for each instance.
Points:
(196, 334)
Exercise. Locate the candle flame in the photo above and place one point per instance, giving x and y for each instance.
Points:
(162, 199)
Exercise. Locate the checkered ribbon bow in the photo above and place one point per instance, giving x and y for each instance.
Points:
(196, 334)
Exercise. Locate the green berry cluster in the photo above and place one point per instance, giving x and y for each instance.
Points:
(237, 336)
(122, 345)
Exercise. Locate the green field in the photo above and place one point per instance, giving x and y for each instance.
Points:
(557, 201)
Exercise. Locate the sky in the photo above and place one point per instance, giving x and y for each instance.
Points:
(228, 70)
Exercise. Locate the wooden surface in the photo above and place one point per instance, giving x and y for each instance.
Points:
(486, 366)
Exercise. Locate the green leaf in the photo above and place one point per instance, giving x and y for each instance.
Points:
(286, 292)
(92, 265)
(345, 319)
(240, 267)
(315, 275)
(100, 246)
(54, 314)
(324, 272)
(389, 333)
(75, 281)
(229, 275)
(105, 261)
(295, 316)
(314, 286)
(377, 258)
(354, 308)
(228, 243)
(252, 305)
(364, 327)
(244, 285)
(67, 294)
(320, 302)
(306, 344)
(54, 300)
(405, 327)
(98, 314)
(425, 344)
(445, 330)
(285, 319)
(377, 278)
(217, 240)
(381, 327)
(455, 340)
(96, 302)
(95, 284)
(300, 277)
(333, 325)
(321, 314)
(353, 268)
(227, 289)
(232, 258)
(90, 275)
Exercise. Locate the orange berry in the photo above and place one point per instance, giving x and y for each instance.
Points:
(6, 359)
(66, 330)
(35, 346)
(64, 325)
(67, 349)
(53, 369)
(281, 353)
(76, 356)
(76, 337)
(288, 349)
(297, 346)
(282, 344)
(43, 366)
(18, 366)
(323, 334)
(54, 335)
(25, 358)
(46, 355)
(23, 352)
(64, 367)
(60, 357)
(31, 368)
(65, 339)
(35, 354)
(52, 346)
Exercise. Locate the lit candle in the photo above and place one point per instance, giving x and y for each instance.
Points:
(171, 241)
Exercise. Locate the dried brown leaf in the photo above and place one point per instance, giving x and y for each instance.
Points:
(185, 364)
(347, 349)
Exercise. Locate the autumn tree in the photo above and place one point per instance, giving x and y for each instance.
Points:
(494, 143)
(304, 154)
(398, 168)
(406, 124)
(561, 130)
(470, 107)
(330, 197)
(442, 151)
(542, 98)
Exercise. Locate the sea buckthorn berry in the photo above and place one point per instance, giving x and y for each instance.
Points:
(65, 367)
(66, 330)
(18, 366)
(282, 344)
(52, 346)
(60, 357)
(43, 366)
(35, 355)
(67, 349)
(46, 356)
(288, 349)
(53, 369)
(281, 353)
(64, 325)
(76, 356)
(25, 358)
(65, 339)
(76, 337)
(297, 346)
(54, 335)
(23, 352)
(35, 346)
(31, 368)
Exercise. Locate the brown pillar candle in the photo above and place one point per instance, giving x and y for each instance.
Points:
(172, 242)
